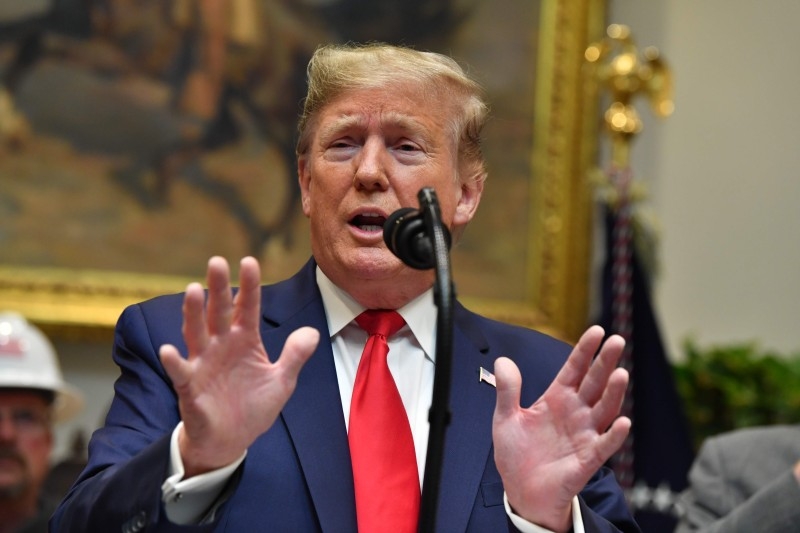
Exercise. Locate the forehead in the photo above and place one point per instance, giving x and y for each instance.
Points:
(404, 106)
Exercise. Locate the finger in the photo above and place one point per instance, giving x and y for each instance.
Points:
(578, 362)
(610, 441)
(509, 385)
(247, 303)
(177, 368)
(195, 333)
(596, 380)
(299, 346)
(219, 310)
(609, 405)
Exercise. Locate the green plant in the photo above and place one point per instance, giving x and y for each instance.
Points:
(734, 386)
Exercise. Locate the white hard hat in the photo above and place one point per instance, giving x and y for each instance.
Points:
(28, 361)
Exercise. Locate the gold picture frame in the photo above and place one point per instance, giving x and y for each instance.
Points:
(86, 302)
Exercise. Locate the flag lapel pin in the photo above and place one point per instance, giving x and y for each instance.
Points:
(485, 375)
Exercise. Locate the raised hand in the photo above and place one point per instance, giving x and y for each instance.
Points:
(547, 452)
(228, 390)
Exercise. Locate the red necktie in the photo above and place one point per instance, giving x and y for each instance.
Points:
(381, 446)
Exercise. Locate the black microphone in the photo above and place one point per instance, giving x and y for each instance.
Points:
(406, 235)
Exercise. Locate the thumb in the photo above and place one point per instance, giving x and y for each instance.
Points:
(298, 348)
(509, 384)
(177, 368)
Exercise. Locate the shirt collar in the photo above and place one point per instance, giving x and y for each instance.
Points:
(341, 309)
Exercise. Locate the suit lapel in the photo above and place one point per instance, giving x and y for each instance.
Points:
(468, 438)
(313, 414)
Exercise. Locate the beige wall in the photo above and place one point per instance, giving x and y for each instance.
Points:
(723, 170)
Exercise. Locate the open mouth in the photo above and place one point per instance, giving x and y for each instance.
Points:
(368, 222)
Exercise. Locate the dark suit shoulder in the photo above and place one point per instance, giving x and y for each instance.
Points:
(538, 356)
(164, 313)
(509, 338)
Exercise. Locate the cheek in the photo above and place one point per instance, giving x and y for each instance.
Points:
(37, 455)
(319, 203)
(323, 185)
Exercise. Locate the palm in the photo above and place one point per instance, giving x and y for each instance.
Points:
(228, 390)
(547, 452)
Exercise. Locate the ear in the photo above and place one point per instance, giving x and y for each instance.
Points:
(304, 179)
(471, 192)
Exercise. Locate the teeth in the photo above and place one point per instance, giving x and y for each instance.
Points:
(371, 222)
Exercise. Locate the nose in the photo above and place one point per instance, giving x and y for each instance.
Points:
(370, 173)
(8, 430)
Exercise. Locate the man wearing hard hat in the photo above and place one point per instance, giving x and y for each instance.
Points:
(33, 396)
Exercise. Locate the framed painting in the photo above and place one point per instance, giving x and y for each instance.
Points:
(139, 138)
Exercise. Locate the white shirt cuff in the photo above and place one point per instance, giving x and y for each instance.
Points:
(188, 501)
(527, 527)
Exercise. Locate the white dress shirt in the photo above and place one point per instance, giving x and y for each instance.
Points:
(411, 355)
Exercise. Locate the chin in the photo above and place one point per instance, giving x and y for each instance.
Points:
(360, 265)
(374, 264)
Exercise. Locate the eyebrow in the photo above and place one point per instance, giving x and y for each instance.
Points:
(389, 119)
(405, 122)
(340, 123)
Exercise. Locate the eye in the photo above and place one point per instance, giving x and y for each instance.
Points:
(24, 417)
(407, 147)
(341, 143)
(26, 420)
(340, 149)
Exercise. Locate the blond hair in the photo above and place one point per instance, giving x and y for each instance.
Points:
(338, 68)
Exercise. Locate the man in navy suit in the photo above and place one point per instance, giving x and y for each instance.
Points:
(211, 430)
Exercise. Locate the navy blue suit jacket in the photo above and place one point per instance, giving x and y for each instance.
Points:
(297, 476)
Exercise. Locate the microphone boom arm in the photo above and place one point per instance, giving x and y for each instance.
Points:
(439, 414)
(421, 240)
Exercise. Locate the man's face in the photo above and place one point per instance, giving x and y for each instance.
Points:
(26, 441)
(371, 151)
